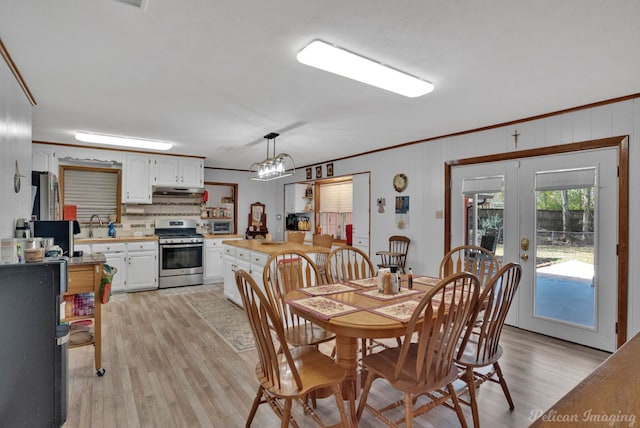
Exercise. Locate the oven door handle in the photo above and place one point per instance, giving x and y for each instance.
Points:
(191, 244)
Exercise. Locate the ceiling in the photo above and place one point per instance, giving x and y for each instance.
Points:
(214, 77)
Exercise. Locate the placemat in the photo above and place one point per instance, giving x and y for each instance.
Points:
(404, 292)
(365, 282)
(323, 307)
(322, 290)
(398, 311)
(427, 280)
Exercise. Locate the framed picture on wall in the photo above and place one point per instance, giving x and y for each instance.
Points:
(309, 176)
(319, 171)
(329, 170)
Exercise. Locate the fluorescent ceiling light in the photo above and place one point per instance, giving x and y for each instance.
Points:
(330, 58)
(122, 141)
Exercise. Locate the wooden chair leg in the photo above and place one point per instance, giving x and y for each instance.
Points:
(471, 386)
(456, 405)
(337, 392)
(365, 394)
(254, 407)
(503, 384)
(286, 415)
(408, 410)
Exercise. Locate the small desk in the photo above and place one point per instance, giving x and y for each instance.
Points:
(361, 323)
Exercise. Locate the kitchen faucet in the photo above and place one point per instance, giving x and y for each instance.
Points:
(91, 224)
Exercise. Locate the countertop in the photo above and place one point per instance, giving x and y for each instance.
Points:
(116, 239)
(211, 235)
(610, 393)
(87, 259)
(275, 246)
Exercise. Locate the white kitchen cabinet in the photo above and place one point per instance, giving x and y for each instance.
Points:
(142, 266)
(116, 254)
(137, 180)
(295, 200)
(229, 266)
(182, 172)
(213, 261)
(258, 262)
(360, 212)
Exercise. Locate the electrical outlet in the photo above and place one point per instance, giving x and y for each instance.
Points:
(439, 214)
(126, 226)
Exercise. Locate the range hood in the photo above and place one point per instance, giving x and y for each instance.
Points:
(178, 191)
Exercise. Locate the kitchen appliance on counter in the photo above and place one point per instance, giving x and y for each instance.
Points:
(46, 196)
(181, 253)
(33, 355)
(298, 222)
(61, 231)
(221, 227)
(23, 229)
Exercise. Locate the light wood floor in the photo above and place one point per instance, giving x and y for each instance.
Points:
(165, 367)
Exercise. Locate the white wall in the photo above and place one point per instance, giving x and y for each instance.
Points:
(15, 144)
(424, 165)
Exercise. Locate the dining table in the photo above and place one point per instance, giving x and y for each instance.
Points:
(355, 310)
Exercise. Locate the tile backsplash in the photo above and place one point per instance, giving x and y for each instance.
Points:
(140, 219)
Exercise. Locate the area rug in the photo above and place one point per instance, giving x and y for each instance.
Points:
(228, 321)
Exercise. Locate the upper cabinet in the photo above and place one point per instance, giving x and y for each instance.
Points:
(297, 199)
(137, 179)
(181, 172)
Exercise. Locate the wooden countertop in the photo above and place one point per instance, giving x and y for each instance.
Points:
(116, 239)
(260, 246)
(607, 397)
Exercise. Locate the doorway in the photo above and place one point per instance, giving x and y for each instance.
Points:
(562, 216)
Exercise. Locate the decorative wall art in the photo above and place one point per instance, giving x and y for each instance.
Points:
(309, 176)
(329, 170)
(319, 171)
(402, 212)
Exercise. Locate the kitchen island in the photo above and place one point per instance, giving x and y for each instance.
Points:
(251, 255)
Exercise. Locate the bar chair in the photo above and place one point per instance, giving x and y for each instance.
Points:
(285, 375)
(295, 237)
(322, 240)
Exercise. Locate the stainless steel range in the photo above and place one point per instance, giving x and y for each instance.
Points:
(181, 253)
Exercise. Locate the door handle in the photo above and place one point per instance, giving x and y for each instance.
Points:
(524, 256)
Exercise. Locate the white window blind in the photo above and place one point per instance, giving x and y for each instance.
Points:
(472, 186)
(336, 197)
(566, 179)
(93, 192)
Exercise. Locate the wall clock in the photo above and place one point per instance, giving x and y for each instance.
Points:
(400, 182)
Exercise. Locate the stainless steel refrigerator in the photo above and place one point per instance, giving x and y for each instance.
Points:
(46, 196)
(33, 350)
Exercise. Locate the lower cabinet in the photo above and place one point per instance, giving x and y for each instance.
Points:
(237, 258)
(142, 266)
(136, 263)
(213, 261)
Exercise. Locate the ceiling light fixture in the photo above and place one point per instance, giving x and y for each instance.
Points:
(272, 167)
(333, 59)
(122, 141)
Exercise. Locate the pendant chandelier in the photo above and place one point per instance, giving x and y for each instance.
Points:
(272, 167)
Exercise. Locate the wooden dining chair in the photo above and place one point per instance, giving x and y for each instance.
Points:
(348, 263)
(397, 253)
(470, 258)
(473, 259)
(288, 374)
(285, 271)
(482, 345)
(424, 371)
(295, 237)
(322, 240)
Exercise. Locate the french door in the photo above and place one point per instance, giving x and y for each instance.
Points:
(556, 215)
